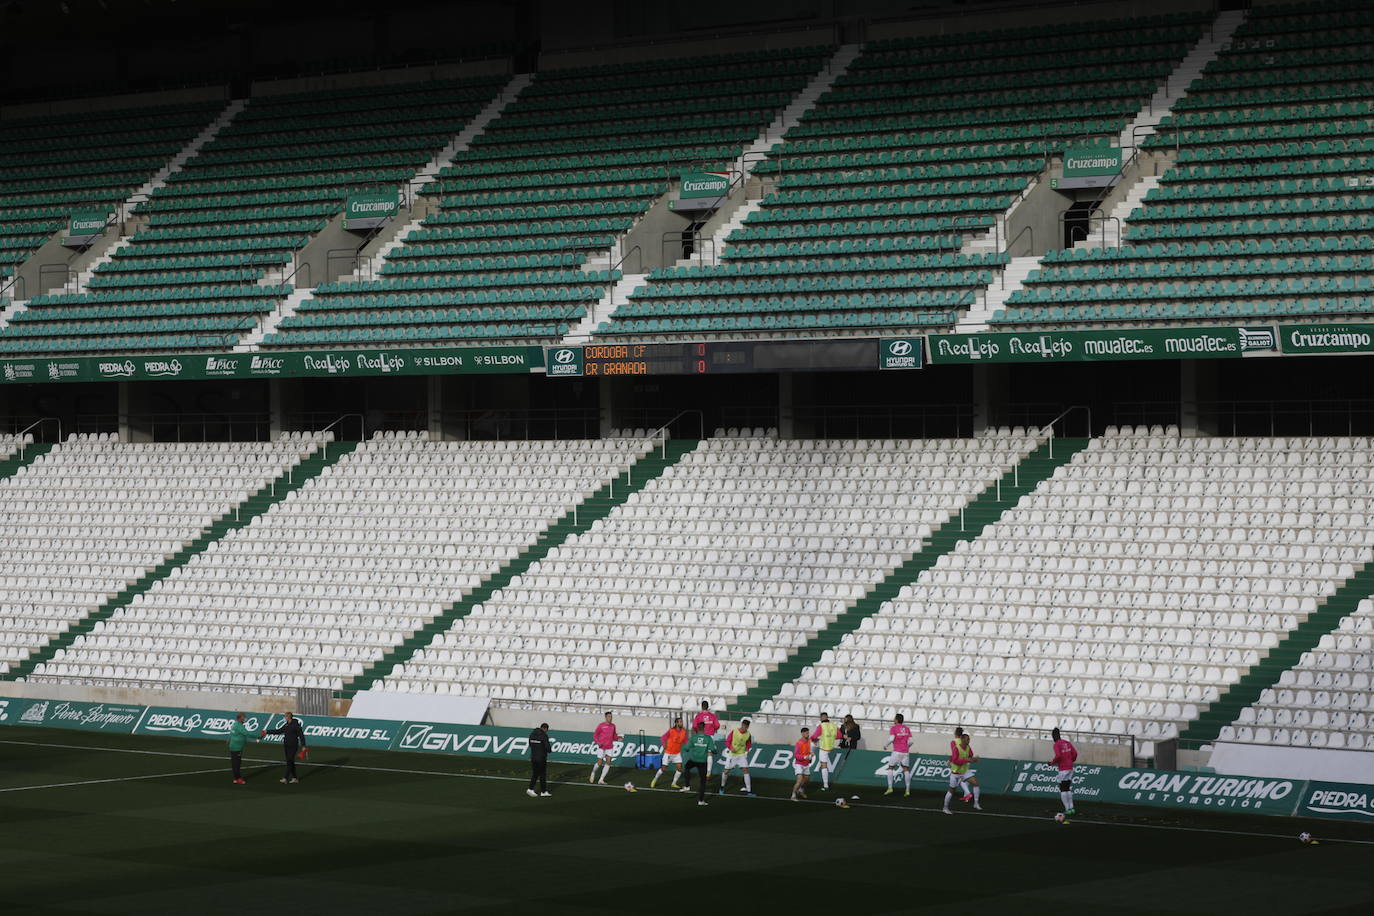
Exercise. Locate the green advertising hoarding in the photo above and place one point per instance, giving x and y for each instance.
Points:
(1088, 346)
(1339, 801)
(85, 224)
(1089, 167)
(704, 184)
(564, 362)
(901, 353)
(371, 206)
(1307, 339)
(269, 365)
(97, 717)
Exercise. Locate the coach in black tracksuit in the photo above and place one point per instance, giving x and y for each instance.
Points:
(292, 740)
(540, 748)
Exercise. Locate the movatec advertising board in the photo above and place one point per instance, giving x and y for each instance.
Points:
(269, 365)
(1088, 346)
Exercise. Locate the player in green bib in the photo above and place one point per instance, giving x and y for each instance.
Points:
(825, 736)
(698, 751)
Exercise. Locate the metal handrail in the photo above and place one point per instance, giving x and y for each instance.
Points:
(16, 281)
(1024, 229)
(1064, 216)
(303, 265)
(56, 267)
(969, 221)
(1048, 428)
(38, 423)
(699, 244)
(701, 427)
(362, 427)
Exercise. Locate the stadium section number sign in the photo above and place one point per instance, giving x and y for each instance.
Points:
(1079, 346)
(1089, 167)
(900, 353)
(268, 365)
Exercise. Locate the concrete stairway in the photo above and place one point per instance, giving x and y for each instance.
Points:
(975, 321)
(1107, 233)
(269, 323)
(791, 115)
(430, 170)
(1177, 82)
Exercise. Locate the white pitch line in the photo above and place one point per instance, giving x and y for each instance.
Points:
(92, 782)
(577, 783)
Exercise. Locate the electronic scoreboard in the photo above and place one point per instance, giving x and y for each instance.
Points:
(718, 357)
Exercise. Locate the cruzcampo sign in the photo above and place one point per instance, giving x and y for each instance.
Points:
(271, 364)
(1306, 339)
(704, 184)
(366, 211)
(86, 224)
(1089, 346)
(1090, 167)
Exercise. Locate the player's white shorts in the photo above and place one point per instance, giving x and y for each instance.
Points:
(671, 758)
(730, 761)
(604, 752)
(801, 769)
(958, 779)
(1066, 775)
(823, 756)
(899, 759)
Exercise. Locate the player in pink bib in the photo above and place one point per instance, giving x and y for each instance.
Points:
(604, 738)
(900, 758)
(1065, 756)
(710, 724)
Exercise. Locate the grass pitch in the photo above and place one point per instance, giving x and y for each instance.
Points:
(94, 823)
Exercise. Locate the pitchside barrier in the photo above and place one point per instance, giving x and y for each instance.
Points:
(1115, 785)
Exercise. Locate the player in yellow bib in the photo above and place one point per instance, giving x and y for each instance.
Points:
(825, 736)
(737, 746)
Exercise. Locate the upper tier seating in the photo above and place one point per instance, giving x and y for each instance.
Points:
(1267, 212)
(88, 518)
(1146, 576)
(921, 144)
(221, 233)
(55, 165)
(520, 247)
(1326, 700)
(322, 584)
(710, 575)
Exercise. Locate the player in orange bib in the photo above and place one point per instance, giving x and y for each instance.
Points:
(673, 740)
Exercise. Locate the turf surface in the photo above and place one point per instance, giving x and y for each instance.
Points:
(93, 823)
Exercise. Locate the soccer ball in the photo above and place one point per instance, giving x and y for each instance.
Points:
(841, 803)
(1059, 818)
(1305, 838)
(629, 787)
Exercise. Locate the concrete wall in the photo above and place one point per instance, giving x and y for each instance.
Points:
(1040, 212)
(334, 236)
(1022, 16)
(115, 102)
(492, 67)
(53, 252)
(681, 47)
